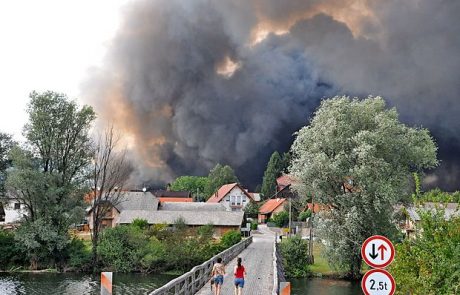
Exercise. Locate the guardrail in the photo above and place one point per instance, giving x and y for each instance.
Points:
(191, 282)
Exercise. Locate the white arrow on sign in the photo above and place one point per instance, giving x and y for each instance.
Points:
(378, 251)
(378, 282)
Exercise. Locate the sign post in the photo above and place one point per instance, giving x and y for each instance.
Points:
(378, 252)
(378, 282)
(106, 283)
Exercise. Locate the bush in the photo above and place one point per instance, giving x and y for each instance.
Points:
(254, 225)
(281, 219)
(304, 215)
(153, 256)
(430, 263)
(122, 247)
(10, 253)
(79, 255)
(230, 238)
(295, 259)
(140, 223)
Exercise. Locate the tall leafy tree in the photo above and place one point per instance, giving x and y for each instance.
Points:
(50, 173)
(275, 167)
(218, 176)
(6, 144)
(194, 184)
(357, 158)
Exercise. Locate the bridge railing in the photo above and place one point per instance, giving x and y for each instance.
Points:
(280, 285)
(191, 282)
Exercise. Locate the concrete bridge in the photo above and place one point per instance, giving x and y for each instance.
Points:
(259, 258)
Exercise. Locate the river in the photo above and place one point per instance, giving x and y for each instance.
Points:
(77, 284)
(318, 286)
(80, 284)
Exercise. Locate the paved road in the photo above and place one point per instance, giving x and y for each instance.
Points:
(258, 261)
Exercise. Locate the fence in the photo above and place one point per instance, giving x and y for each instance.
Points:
(192, 281)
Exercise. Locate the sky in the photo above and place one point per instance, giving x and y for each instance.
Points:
(184, 81)
(49, 45)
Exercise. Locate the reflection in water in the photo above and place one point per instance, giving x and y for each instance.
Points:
(77, 284)
(324, 287)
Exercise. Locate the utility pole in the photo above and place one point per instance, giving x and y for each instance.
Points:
(290, 215)
(310, 248)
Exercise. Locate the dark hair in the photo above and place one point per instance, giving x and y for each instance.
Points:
(219, 260)
(238, 261)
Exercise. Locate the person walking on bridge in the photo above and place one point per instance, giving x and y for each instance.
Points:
(217, 273)
(239, 273)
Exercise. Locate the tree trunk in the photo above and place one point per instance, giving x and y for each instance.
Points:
(95, 242)
(355, 267)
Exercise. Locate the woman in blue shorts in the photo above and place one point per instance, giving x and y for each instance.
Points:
(239, 273)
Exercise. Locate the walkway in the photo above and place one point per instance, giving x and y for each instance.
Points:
(258, 261)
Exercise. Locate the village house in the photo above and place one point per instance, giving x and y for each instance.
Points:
(283, 187)
(192, 214)
(232, 196)
(144, 205)
(129, 201)
(411, 221)
(269, 208)
(11, 211)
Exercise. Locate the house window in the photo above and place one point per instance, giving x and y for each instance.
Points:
(238, 200)
(17, 206)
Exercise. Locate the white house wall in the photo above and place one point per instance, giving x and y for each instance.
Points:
(13, 215)
(235, 196)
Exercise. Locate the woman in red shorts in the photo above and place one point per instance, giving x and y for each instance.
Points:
(239, 273)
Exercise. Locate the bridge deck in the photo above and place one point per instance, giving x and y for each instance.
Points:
(258, 261)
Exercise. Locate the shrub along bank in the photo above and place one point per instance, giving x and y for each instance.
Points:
(130, 248)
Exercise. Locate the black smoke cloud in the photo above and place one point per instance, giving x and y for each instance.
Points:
(166, 84)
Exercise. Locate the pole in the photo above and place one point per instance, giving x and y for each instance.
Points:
(290, 216)
(311, 230)
(106, 283)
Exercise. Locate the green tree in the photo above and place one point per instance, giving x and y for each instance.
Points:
(218, 176)
(194, 184)
(49, 175)
(252, 209)
(6, 144)
(430, 264)
(357, 158)
(281, 219)
(273, 171)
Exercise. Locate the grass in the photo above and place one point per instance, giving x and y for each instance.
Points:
(320, 266)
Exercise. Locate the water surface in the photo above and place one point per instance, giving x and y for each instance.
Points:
(319, 286)
(77, 284)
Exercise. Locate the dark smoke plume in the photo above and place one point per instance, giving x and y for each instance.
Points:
(193, 83)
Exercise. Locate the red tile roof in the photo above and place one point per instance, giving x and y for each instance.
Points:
(317, 207)
(173, 199)
(285, 180)
(224, 190)
(271, 205)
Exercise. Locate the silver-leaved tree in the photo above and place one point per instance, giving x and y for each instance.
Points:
(356, 158)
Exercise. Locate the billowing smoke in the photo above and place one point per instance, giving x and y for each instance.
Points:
(193, 83)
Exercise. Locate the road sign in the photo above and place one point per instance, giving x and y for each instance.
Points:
(378, 251)
(378, 282)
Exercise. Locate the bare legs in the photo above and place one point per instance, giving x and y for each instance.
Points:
(238, 290)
